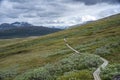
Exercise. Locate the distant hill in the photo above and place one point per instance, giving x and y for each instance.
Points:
(21, 24)
(23, 29)
(6, 26)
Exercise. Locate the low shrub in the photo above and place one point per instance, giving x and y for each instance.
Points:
(77, 75)
(7, 75)
(102, 51)
(108, 49)
(71, 63)
(110, 72)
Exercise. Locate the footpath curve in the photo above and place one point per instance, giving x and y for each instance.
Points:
(96, 73)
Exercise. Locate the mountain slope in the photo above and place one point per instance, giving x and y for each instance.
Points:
(23, 29)
(26, 31)
(24, 58)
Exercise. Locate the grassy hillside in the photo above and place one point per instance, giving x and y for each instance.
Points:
(34, 58)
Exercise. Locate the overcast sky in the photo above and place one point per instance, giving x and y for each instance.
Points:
(58, 13)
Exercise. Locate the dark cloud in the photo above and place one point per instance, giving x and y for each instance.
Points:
(29, 15)
(8, 15)
(19, 1)
(87, 2)
(1, 1)
(49, 14)
(28, 8)
(92, 2)
(12, 16)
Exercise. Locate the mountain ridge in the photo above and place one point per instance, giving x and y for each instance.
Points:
(24, 29)
(5, 26)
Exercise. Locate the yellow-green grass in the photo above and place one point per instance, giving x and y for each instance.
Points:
(29, 53)
(77, 75)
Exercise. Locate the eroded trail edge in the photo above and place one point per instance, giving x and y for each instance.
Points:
(96, 73)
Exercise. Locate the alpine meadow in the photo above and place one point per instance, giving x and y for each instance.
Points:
(48, 57)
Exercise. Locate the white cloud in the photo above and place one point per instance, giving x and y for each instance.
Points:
(88, 18)
(55, 12)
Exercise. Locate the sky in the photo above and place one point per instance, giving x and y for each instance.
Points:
(57, 13)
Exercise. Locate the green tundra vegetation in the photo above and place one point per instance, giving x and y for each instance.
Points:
(48, 58)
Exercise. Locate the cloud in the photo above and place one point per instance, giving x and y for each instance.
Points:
(92, 2)
(1, 0)
(59, 13)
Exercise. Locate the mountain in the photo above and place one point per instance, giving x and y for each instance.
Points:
(21, 24)
(6, 26)
(23, 29)
(48, 58)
